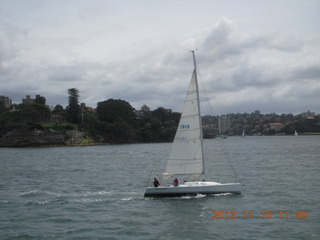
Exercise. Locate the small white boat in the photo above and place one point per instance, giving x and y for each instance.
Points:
(186, 159)
(295, 133)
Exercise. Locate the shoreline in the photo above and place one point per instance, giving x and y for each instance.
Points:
(108, 143)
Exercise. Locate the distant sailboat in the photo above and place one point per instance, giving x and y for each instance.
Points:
(186, 158)
(295, 133)
(243, 133)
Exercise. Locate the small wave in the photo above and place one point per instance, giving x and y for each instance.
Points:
(30, 193)
(200, 196)
(103, 193)
(193, 197)
(203, 212)
(186, 197)
(99, 193)
(27, 203)
(86, 200)
(222, 194)
(304, 201)
(37, 193)
(128, 193)
(127, 199)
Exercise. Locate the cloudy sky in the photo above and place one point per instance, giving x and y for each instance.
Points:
(251, 54)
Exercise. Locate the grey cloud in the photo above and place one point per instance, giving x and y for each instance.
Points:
(283, 42)
(264, 62)
(249, 77)
(9, 38)
(309, 72)
(219, 35)
(72, 73)
(219, 44)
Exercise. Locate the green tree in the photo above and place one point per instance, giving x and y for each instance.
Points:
(73, 109)
(145, 108)
(58, 109)
(112, 109)
(288, 129)
(31, 113)
(40, 100)
(162, 114)
(117, 117)
(60, 113)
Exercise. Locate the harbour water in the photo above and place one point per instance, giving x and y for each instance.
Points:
(97, 192)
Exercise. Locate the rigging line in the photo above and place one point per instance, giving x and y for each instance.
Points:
(210, 111)
(149, 177)
(208, 106)
(222, 145)
(151, 174)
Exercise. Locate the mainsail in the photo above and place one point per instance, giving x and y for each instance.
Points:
(186, 157)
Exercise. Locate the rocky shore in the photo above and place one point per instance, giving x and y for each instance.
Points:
(27, 138)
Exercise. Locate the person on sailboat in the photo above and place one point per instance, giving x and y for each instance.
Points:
(156, 182)
(175, 182)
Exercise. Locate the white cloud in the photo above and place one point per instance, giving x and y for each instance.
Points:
(120, 50)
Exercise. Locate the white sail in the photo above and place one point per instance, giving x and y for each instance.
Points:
(186, 157)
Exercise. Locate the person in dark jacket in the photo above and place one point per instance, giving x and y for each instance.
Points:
(175, 182)
(156, 182)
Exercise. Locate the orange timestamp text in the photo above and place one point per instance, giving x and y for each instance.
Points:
(262, 214)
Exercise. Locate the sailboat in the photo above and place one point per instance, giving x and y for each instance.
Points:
(186, 159)
(295, 133)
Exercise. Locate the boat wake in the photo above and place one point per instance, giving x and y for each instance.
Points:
(44, 197)
(222, 194)
(191, 196)
(33, 193)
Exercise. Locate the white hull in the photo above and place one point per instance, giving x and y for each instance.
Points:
(193, 188)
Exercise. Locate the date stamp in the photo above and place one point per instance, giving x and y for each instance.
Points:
(300, 214)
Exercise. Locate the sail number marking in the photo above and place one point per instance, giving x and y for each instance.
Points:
(262, 215)
(182, 139)
(184, 126)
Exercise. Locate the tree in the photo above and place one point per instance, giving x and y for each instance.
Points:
(145, 108)
(117, 117)
(162, 114)
(31, 113)
(73, 109)
(114, 110)
(59, 113)
(40, 100)
(58, 109)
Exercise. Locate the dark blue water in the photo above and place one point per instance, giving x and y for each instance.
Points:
(97, 192)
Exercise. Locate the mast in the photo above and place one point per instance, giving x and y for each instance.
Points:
(200, 120)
